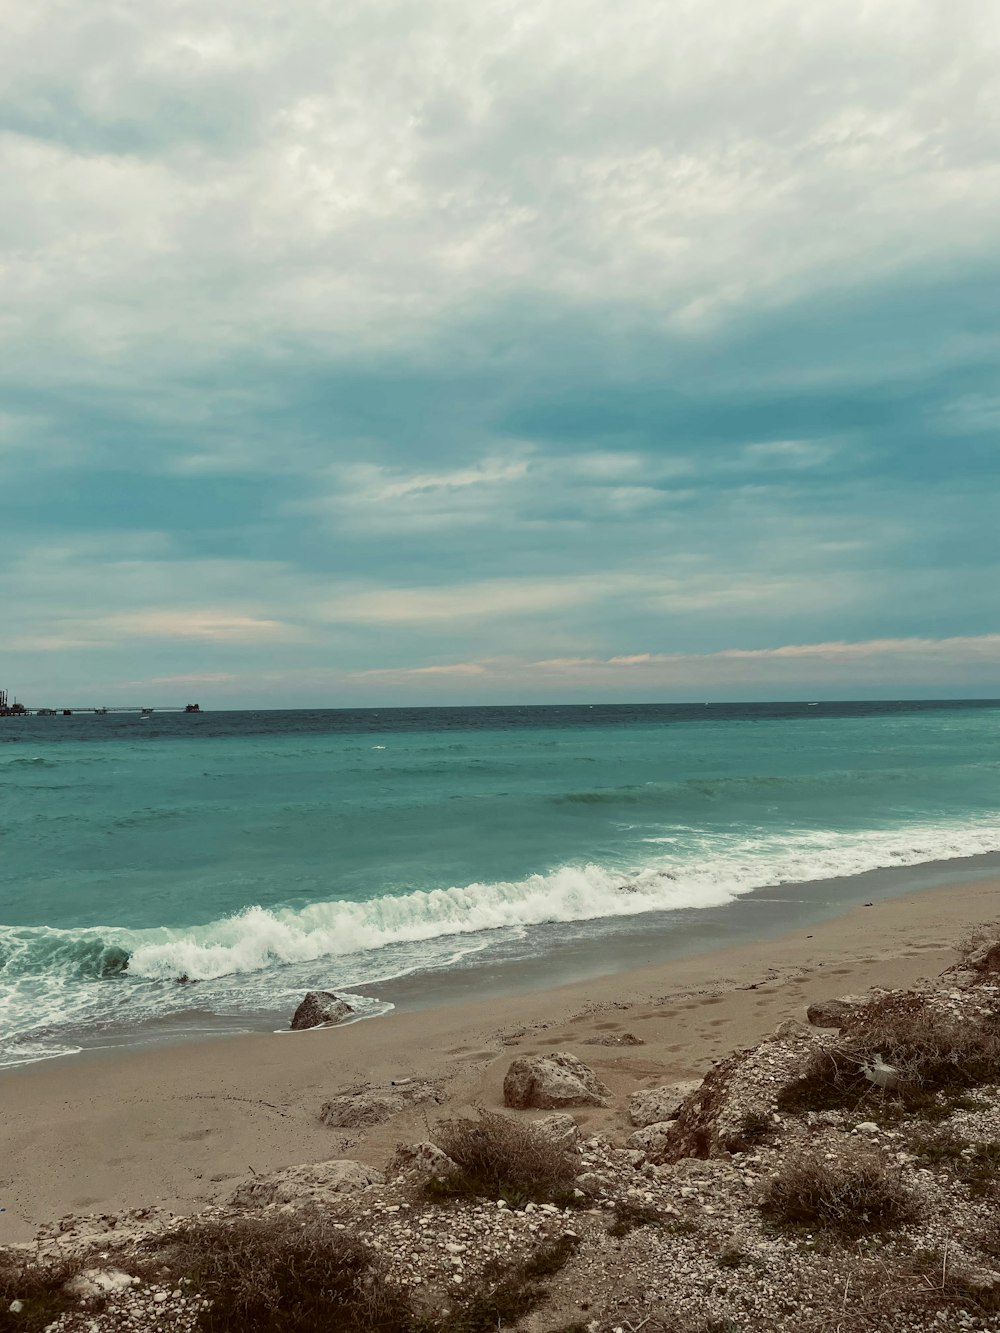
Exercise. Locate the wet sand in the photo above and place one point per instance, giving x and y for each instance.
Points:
(181, 1125)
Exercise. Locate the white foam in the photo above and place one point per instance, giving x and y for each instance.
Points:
(258, 938)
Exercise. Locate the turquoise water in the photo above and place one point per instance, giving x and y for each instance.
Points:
(257, 854)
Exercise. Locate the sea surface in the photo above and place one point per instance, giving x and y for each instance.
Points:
(181, 871)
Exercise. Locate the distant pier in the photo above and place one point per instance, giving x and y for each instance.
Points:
(11, 708)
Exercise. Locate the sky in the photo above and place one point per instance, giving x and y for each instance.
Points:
(420, 351)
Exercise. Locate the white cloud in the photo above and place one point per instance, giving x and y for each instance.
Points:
(179, 182)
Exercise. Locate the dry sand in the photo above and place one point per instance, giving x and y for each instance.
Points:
(180, 1126)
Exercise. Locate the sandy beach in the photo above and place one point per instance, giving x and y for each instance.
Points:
(180, 1126)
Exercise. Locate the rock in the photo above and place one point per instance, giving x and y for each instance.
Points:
(16, 1307)
(714, 1119)
(963, 978)
(561, 1128)
(318, 1008)
(652, 1139)
(614, 1039)
(651, 1106)
(94, 1282)
(552, 1081)
(366, 1106)
(834, 1013)
(423, 1159)
(316, 1182)
(985, 959)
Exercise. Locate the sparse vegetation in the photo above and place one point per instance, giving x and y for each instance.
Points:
(941, 1283)
(297, 1273)
(755, 1128)
(736, 1258)
(502, 1158)
(938, 1056)
(288, 1273)
(846, 1196)
(630, 1215)
(40, 1289)
(975, 1164)
(506, 1295)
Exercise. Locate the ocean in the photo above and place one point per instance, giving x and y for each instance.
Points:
(190, 873)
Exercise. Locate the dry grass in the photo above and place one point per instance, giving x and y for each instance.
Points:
(846, 1197)
(502, 1158)
(976, 1165)
(939, 1057)
(296, 1273)
(39, 1287)
(505, 1295)
(629, 1216)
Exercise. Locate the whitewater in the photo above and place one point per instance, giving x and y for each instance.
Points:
(212, 868)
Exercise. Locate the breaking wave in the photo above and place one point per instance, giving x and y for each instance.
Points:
(257, 939)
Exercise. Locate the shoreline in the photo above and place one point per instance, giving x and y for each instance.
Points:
(180, 1125)
(623, 945)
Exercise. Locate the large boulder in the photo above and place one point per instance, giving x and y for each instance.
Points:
(651, 1106)
(320, 1007)
(316, 1182)
(362, 1107)
(550, 1082)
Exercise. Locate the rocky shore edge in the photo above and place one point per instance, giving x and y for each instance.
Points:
(841, 1174)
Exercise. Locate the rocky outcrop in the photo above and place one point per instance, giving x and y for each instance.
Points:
(361, 1107)
(318, 1009)
(979, 966)
(549, 1082)
(834, 1013)
(614, 1039)
(652, 1140)
(651, 1106)
(713, 1120)
(317, 1182)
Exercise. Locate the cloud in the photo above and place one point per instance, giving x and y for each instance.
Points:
(422, 337)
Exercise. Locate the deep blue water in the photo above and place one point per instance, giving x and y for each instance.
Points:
(257, 853)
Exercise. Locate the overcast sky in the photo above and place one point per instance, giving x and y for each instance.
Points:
(436, 351)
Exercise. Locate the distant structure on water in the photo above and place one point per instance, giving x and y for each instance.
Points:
(12, 709)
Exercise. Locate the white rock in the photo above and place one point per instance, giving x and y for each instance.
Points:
(97, 1282)
(552, 1081)
(561, 1128)
(651, 1106)
(318, 1181)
